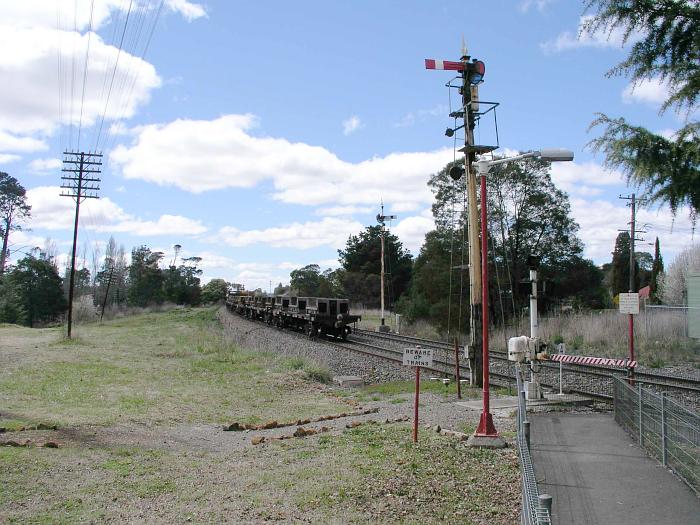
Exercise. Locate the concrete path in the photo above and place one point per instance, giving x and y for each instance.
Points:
(597, 475)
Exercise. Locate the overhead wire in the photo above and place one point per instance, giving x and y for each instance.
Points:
(72, 82)
(114, 72)
(135, 77)
(85, 72)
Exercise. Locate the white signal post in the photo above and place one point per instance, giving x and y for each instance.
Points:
(417, 357)
(381, 218)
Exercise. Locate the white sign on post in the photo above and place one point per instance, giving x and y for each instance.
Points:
(418, 356)
(629, 303)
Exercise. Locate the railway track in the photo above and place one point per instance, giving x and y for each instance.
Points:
(591, 380)
(588, 380)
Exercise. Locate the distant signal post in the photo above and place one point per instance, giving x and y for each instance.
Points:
(417, 357)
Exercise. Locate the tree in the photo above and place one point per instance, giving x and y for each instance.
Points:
(32, 293)
(657, 270)
(620, 268)
(668, 52)
(645, 263)
(13, 209)
(429, 296)
(361, 262)
(674, 285)
(306, 280)
(528, 216)
(145, 281)
(181, 284)
(214, 291)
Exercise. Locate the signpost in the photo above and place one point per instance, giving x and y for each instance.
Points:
(417, 357)
(629, 303)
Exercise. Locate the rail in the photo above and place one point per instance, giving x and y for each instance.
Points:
(665, 429)
(535, 510)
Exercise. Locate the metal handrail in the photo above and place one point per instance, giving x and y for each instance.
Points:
(533, 512)
(666, 429)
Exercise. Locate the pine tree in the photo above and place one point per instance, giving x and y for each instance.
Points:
(669, 52)
(657, 270)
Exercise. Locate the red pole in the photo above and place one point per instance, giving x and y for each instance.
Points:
(486, 426)
(630, 372)
(415, 406)
(459, 385)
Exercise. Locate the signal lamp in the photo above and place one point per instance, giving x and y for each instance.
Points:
(456, 172)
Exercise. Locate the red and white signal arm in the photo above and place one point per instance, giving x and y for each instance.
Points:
(475, 68)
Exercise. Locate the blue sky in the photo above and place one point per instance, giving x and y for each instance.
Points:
(259, 135)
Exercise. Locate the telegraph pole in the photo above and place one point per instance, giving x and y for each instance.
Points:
(80, 182)
(104, 302)
(633, 233)
(381, 218)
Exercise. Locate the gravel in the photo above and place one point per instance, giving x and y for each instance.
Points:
(261, 337)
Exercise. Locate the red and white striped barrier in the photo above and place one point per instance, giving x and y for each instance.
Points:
(600, 361)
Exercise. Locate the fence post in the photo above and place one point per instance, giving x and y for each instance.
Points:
(664, 456)
(526, 428)
(545, 501)
(639, 422)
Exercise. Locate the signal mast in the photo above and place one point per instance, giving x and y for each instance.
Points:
(381, 218)
(471, 74)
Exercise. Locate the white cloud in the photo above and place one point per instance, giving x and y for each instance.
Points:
(342, 210)
(351, 125)
(189, 10)
(653, 91)
(328, 232)
(582, 178)
(30, 103)
(540, 5)
(6, 158)
(44, 166)
(9, 142)
(411, 231)
(668, 133)
(600, 221)
(51, 212)
(409, 119)
(599, 39)
(75, 14)
(203, 155)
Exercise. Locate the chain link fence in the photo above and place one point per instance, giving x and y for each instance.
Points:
(665, 429)
(535, 511)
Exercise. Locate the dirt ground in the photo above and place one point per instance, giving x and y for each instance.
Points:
(140, 405)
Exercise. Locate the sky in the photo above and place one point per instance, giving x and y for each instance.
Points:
(260, 135)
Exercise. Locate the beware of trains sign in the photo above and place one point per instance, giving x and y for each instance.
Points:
(418, 356)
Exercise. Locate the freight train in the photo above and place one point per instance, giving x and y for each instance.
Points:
(314, 316)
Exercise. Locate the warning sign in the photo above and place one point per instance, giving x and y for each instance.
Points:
(418, 356)
(629, 303)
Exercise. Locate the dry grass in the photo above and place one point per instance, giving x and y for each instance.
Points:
(371, 319)
(659, 335)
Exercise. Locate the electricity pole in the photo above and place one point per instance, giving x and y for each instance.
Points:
(381, 218)
(79, 182)
(633, 232)
(109, 283)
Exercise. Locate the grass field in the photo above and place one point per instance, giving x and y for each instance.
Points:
(140, 402)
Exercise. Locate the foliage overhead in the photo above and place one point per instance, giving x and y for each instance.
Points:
(667, 51)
